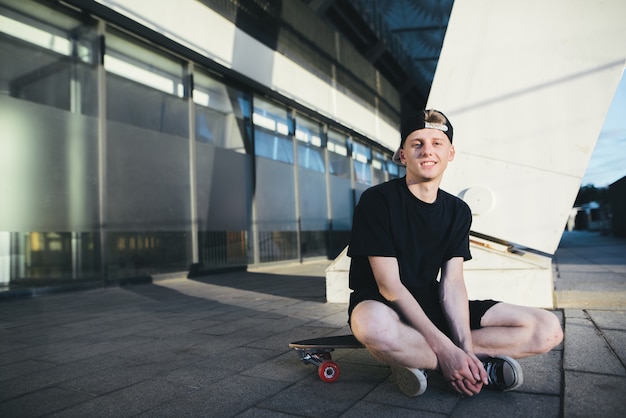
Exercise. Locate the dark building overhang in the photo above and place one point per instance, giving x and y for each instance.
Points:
(401, 38)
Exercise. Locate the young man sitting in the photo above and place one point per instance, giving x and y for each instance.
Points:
(408, 232)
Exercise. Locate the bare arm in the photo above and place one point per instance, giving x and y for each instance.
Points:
(387, 277)
(453, 294)
(455, 363)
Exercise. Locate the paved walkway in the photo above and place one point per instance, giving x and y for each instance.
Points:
(217, 347)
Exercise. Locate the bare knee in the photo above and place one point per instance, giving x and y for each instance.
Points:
(533, 331)
(388, 339)
(373, 324)
(548, 332)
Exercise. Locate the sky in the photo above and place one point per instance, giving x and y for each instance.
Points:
(608, 161)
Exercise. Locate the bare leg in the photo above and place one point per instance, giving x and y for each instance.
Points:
(391, 341)
(517, 331)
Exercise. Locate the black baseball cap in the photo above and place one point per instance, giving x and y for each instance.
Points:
(436, 120)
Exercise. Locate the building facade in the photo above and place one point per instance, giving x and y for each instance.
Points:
(126, 153)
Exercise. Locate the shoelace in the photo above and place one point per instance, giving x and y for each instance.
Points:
(492, 373)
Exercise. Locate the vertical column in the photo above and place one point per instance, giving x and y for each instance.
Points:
(192, 162)
(74, 157)
(329, 205)
(292, 134)
(5, 257)
(102, 153)
(254, 239)
(352, 168)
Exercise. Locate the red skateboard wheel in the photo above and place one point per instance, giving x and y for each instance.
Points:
(328, 371)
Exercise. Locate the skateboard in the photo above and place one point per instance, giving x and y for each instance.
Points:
(317, 351)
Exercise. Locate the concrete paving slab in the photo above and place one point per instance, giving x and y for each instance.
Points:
(542, 374)
(584, 346)
(509, 404)
(594, 395)
(609, 319)
(42, 402)
(128, 401)
(438, 398)
(312, 397)
(30, 383)
(12, 370)
(369, 409)
(264, 413)
(617, 343)
(227, 398)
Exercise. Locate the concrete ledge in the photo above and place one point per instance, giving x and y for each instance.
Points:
(520, 278)
(337, 288)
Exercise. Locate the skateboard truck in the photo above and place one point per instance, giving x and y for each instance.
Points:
(317, 351)
(327, 369)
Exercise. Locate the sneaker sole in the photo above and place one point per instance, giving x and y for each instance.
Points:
(409, 383)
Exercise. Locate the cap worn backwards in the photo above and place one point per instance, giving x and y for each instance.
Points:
(436, 120)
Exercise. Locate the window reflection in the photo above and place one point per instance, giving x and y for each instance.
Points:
(338, 160)
(271, 137)
(361, 157)
(48, 63)
(137, 77)
(309, 138)
(378, 167)
(221, 112)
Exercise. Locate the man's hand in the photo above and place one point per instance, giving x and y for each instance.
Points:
(463, 371)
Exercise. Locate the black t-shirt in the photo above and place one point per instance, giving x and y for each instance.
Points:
(390, 221)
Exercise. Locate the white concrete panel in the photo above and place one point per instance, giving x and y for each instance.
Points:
(520, 278)
(295, 82)
(353, 114)
(337, 280)
(521, 287)
(187, 22)
(527, 85)
(356, 116)
(253, 59)
(388, 134)
(527, 205)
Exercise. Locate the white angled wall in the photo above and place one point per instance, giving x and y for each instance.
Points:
(527, 85)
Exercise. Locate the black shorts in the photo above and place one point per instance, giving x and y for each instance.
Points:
(477, 309)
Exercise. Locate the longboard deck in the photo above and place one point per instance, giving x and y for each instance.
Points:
(338, 341)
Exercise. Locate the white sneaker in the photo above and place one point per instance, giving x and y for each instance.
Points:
(411, 382)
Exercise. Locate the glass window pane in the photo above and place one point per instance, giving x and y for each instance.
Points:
(221, 112)
(361, 157)
(393, 169)
(271, 131)
(48, 63)
(310, 140)
(338, 159)
(144, 88)
(148, 184)
(379, 167)
(48, 145)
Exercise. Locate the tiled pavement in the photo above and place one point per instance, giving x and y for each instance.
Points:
(217, 347)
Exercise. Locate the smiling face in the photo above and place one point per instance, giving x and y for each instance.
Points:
(425, 154)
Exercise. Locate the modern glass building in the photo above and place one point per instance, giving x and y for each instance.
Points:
(125, 153)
